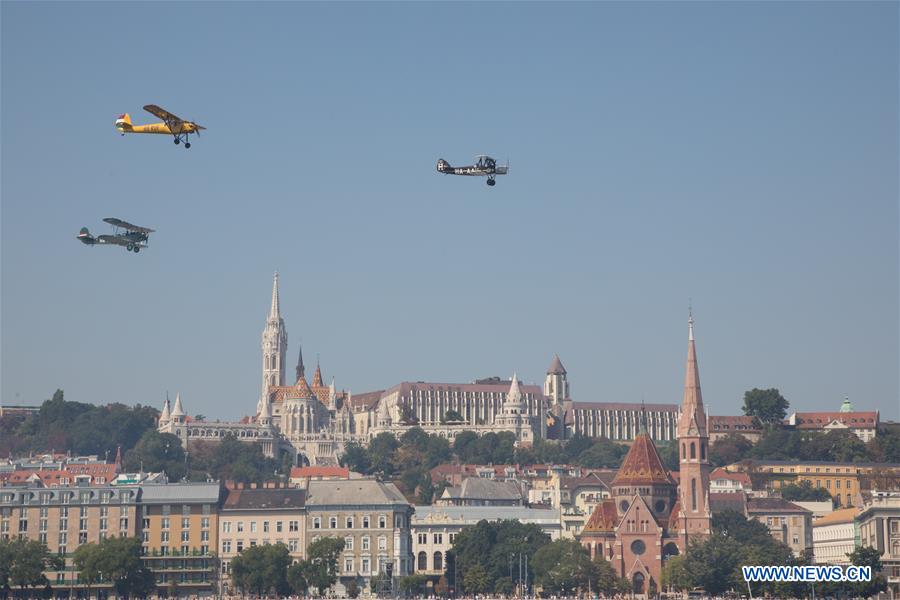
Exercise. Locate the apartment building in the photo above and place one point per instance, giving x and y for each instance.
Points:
(179, 530)
(878, 523)
(373, 519)
(834, 537)
(786, 521)
(64, 518)
(254, 516)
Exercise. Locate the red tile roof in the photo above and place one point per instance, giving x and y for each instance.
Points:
(642, 465)
(742, 478)
(734, 423)
(603, 519)
(334, 472)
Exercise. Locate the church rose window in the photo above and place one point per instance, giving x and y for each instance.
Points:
(660, 506)
(638, 547)
(623, 505)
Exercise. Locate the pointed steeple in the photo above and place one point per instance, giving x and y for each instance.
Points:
(301, 370)
(265, 415)
(275, 311)
(642, 420)
(515, 392)
(692, 421)
(118, 462)
(556, 367)
(166, 414)
(178, 411)
(317, 376)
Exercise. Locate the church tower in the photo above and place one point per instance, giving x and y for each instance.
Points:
(556, 384)
(274, 348)
(693, 441)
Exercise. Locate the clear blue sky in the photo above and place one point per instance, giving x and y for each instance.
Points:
(742, 155)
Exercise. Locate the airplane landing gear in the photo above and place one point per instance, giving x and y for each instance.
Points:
(137, 249)
(187, 144)
(177, 141)
(491, 181)
(182, 137)
(129, 247)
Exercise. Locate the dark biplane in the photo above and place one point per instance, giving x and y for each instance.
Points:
(133, 239)
(485, 166)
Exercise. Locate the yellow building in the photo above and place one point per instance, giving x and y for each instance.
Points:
(179, 525)
(842, 480)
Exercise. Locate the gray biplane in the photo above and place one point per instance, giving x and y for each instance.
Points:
(133, 238)
(485, 166)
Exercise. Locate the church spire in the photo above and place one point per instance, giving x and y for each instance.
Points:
(693, 416)
(317, 376)
(301, 370)
(275, 311)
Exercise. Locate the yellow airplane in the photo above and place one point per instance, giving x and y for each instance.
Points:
(171, 125)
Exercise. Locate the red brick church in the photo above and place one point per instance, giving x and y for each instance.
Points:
(650, 517)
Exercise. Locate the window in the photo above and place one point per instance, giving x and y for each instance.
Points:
(332, 522)
(82, 524)
(166, 509)
(43, 526)
(184, 550)
(164, 536)
(452, 538)
(165, 523)
(252, 526)
(204, 549)
(185, 523)
(422, 561)
(693, 450)
(348, 565)
(348, 543)
(423, 538)
(438, 538)
(226, 546)
(185, 510)
(349, 522)
(278, 527)
(317, 523)
(382, 542)
(240, 527)
(185, 536)
(104, 524)
(693, 494)
(226, 526)
(365, 566)
(63, 538)
(204, 536)
(265, 527)
(240, 546)
(204, 523)
(365, 542)
(293, 526)
(293, 545)
(382, 522)
(366, 522)
(438, 561)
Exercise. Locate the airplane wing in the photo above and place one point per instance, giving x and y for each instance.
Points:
(162, 113)
(126, 225)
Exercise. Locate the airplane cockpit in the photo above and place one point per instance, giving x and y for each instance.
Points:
(486, 162)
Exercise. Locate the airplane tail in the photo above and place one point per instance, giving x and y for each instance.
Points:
(443, 166)
(123, 123)
(85, 237)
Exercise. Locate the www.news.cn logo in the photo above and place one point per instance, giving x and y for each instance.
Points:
(807, 573)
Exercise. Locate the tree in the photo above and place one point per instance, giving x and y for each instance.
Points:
(23, 562)
(412, 585)
(489, 546)
(769, 406)
(355, 458)
(353, 589)
(296, 576)
(476, 580)
(262, 569)
(603, 453)
(117, 560)
(866, 556)
(731, 448)
(675, 575)
(452, 416)
(804, 492)
(563, 565)
(381, 453)
(322, 563)
(668, 453)
(157, 452)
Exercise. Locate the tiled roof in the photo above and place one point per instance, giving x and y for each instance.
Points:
(478, 488)
(721, 473)
(279, 393)
(341, 472)
(365, 400)
(279, 498)
(603, 519)
(365, 492)
(636, 406)
(590, 480)
(842, 515)
(180, 492)
(773, 505)
(673, 516)
(722, 501)
(817, 420)
(642, 464)
(734, 423)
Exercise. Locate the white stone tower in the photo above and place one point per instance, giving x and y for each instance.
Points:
(556, 384)
(274, 348)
